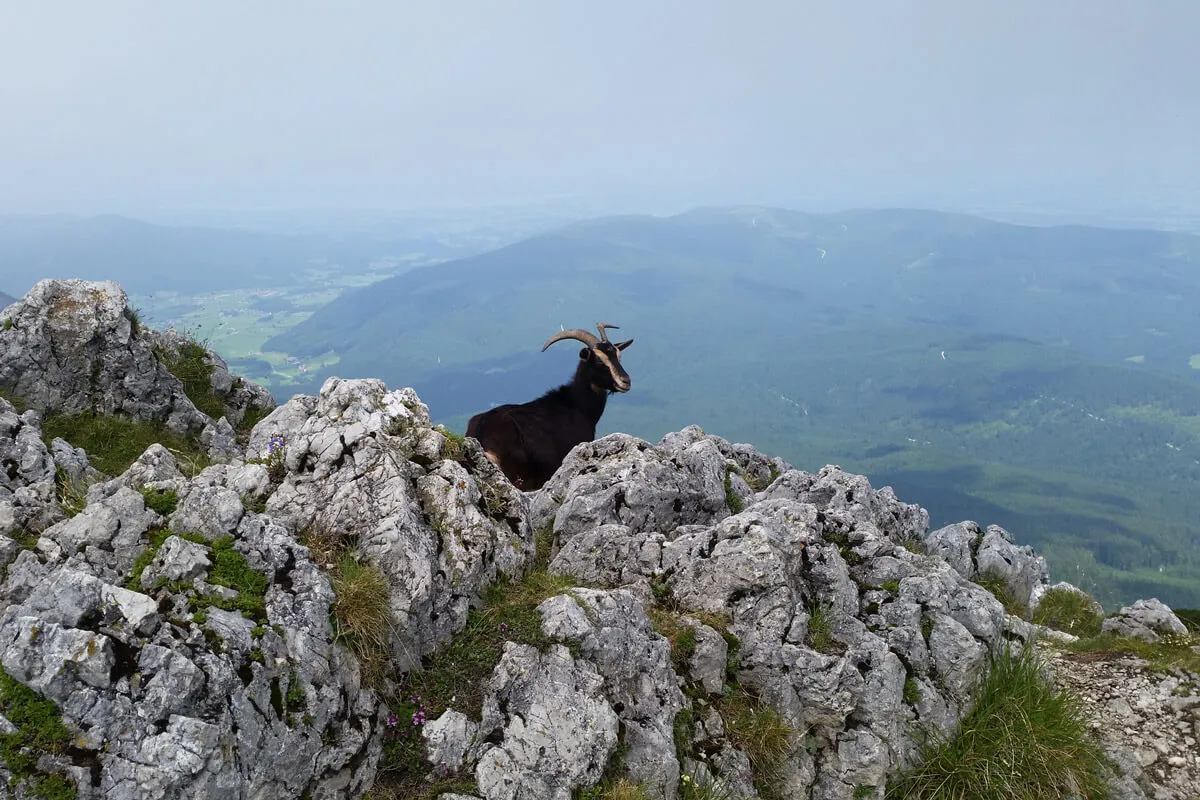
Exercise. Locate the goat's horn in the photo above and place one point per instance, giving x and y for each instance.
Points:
(575, 333)
(600, 326)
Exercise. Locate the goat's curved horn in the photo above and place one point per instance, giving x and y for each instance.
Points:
(575, 333)
(600, 326)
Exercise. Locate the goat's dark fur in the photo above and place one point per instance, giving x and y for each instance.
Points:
(528, 441)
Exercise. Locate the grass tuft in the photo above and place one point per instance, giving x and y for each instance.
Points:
(71, 493)
(995, 583)
(762, 735)
(362, 614)
(820, 630)
(189, 363)
(325, 545)
(731, 498)
(1068, 611)
(621, 789)
(1025, 739)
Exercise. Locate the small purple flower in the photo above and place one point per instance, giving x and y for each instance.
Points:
(276, 444)
(418, 718)
(392, 720)
(502, 627)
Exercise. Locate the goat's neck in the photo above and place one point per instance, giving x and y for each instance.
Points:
(588, 398)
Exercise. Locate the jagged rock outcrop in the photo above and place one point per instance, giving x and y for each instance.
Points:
(187, 629)
(841, 629)
(128, 619)
(981, 553)
(364, 463)
(28, 471)
(74, 346)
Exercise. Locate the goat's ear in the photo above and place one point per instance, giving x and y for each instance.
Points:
(585, 354)
(623, 345)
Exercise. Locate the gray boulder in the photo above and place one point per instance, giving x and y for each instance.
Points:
(69, 346)
(366, 463)
(1148, 620)
(554, 729)
(978, 553)
(72, 346)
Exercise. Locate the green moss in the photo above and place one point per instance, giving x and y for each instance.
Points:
(231, 570)
(161, 501)
(892, 587)
(39, 729)
(912, 691)
(8, 324)
(295, 696)
(157, 538)
(731, 498)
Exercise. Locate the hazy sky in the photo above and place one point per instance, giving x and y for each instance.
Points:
(119, 105)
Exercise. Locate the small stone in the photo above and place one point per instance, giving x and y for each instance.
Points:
(1146, 755)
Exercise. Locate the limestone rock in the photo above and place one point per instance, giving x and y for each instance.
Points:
(553, 729)
(1147, 620)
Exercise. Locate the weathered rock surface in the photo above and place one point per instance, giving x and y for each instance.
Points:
(977, 553)
(72, 346)
(1147, 620)
(555, 732)
(365, 464)
(168, 696)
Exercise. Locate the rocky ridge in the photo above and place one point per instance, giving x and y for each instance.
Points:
(189, 631)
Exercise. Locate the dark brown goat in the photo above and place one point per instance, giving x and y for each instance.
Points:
(528, 441)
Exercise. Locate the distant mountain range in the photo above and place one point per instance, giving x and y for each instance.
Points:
(1036, 377)
(145, 257)
(6, 299)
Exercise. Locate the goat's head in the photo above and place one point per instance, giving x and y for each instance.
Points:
(602, 357)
